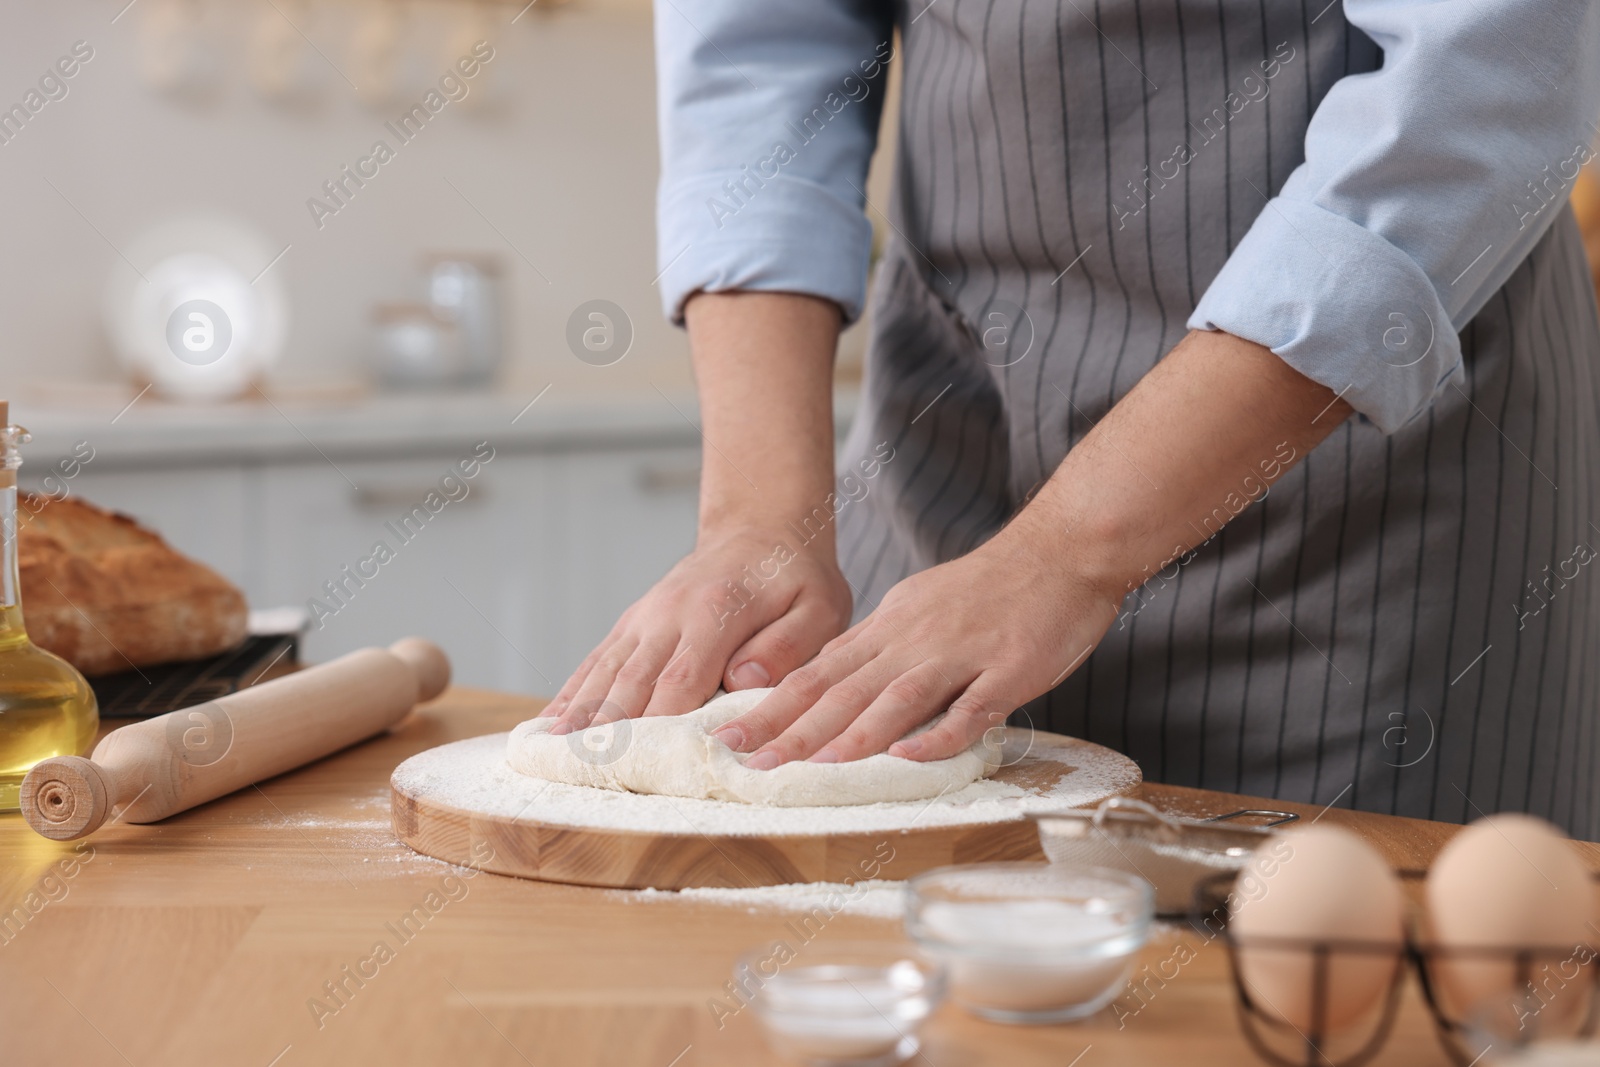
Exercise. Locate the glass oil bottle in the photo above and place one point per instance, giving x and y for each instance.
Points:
(46, 707)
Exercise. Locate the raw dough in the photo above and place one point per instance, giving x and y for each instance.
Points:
(677, 756)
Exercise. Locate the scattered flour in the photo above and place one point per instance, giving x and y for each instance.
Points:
(877, 899)
(359, 813)
(473, 776)
(363, 825)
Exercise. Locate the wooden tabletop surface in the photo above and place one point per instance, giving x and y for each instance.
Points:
(208, 939)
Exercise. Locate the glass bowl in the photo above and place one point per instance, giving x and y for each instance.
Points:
(1031, 942)
(847, 1005)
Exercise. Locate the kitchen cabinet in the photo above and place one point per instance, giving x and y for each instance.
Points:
(517, 579)
(585, 503)
(628, 516)
(204, 512)
(359, 548)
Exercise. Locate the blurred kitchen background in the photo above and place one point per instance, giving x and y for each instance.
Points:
(488, 290)
(377, 340)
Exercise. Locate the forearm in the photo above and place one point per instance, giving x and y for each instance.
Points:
(764, 362)
(1425, 183)
(1198, 440)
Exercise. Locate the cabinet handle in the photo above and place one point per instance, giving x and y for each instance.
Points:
(375, 499)
(669, 479)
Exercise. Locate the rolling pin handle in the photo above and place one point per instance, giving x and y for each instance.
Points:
(427, 661)
(67, 797)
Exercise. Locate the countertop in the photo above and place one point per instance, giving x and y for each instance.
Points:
(125, 428)
(208, 939)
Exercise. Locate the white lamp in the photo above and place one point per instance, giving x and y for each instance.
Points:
(204, 322)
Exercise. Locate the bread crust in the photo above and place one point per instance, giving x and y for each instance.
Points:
(107, 594)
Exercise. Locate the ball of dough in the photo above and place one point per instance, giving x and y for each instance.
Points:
(677, 756)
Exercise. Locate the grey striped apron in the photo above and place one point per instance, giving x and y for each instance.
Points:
(1404, 624)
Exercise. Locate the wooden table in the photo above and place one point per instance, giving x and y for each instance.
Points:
(210, 939)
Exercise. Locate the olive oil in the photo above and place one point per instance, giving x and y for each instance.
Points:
(46, 707)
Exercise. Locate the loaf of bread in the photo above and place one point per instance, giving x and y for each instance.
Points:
(107, 595)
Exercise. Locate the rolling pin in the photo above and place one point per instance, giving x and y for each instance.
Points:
(170, 763)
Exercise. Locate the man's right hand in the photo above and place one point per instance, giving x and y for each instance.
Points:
(762, 592)
(740, 612)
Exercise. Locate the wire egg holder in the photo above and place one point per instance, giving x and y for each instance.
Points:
(1459, 1036)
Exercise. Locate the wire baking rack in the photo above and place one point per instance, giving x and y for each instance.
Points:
(1517, 1022)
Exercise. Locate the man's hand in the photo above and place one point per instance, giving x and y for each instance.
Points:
(982, 634)
(739, 611)
(709, 622)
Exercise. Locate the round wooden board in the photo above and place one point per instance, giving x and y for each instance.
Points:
(429, 820)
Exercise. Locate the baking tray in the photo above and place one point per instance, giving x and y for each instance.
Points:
(148, 691)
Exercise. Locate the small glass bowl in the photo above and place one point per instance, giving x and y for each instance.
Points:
(1520, 1029)
(849, 1005)
(1031, 942)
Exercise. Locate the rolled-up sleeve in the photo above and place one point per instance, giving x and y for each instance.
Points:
(1425, 184)
(768, 117)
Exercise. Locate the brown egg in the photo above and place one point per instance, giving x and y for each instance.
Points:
(1318, 884)
(1512, 881)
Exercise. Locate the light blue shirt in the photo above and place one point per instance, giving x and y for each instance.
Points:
(1425, 182)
